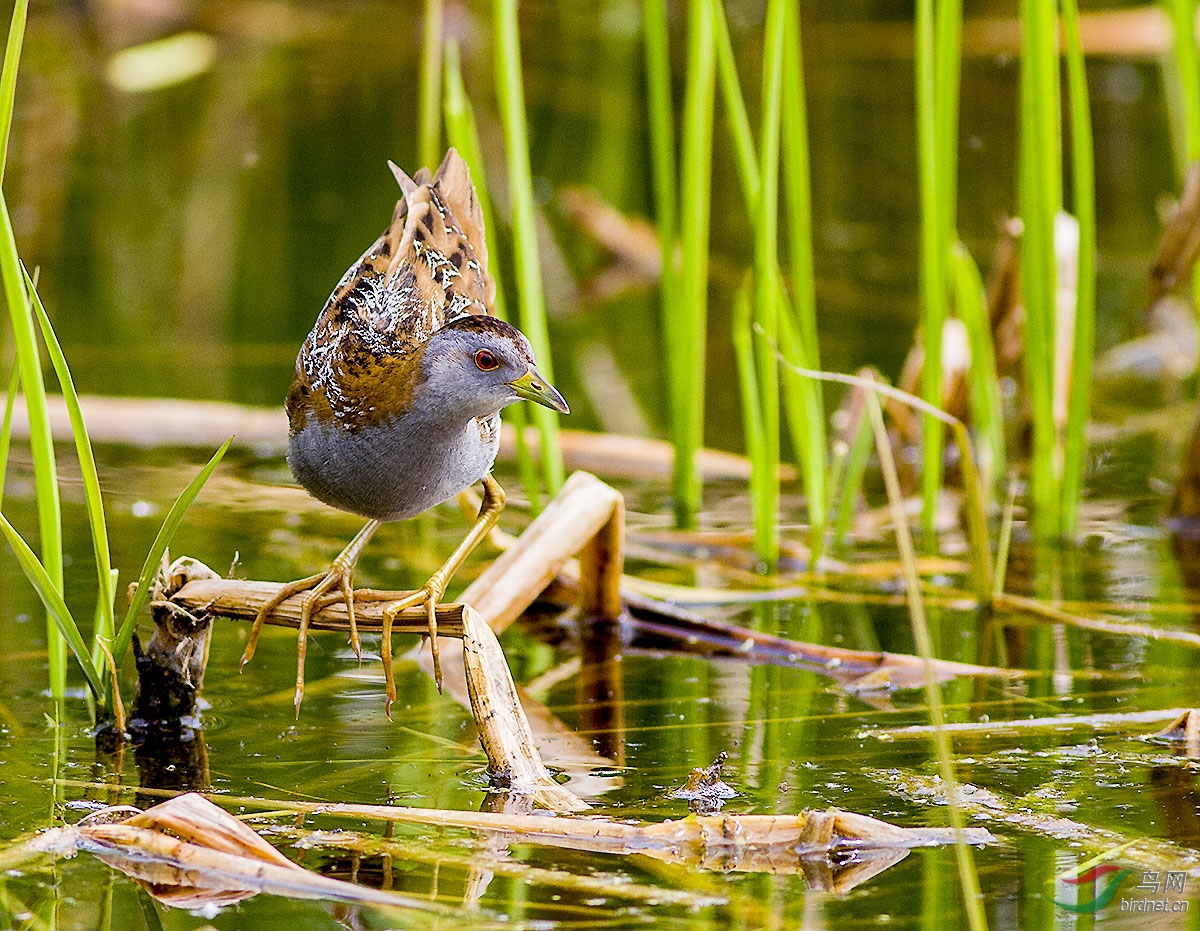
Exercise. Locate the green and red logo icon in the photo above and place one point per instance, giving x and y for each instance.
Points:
(1100, 896)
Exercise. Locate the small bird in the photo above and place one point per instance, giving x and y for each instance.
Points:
(395, 405)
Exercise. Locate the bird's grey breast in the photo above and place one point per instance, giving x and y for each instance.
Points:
(394, 469)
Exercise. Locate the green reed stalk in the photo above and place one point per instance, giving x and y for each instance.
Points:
(1040, 197)
(1187, 62)
(429, 136)
(8, 76)
(807, 419)
(660, 110)
(967, 875)
(766, 261)
(987, 410)
(105, 595)
(530, 296)
(686, 358)
(736, 117)
(934, 249)
(464, 136)
(797, 337)
(1083, 195)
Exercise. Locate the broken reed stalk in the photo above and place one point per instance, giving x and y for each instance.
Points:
(586, 518)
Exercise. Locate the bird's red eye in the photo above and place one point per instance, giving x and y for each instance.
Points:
(486, 360)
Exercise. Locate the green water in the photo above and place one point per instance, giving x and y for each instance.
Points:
(187, 237)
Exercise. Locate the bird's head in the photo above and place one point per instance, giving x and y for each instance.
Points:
(475, 365)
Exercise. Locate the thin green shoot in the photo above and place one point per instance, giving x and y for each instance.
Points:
(10, 401)
(857, 459)
(530, 296)
(1005, 541)
(464, 136)
(1083, 174)
(157, 549)
(967, 876)
(429, 136)
(1040, 196)
(87, 466)
(686, 357)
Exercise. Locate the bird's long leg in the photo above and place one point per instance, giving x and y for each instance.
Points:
(431, 592)
(340, 574)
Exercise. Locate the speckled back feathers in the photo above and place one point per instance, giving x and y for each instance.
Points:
(358, 365)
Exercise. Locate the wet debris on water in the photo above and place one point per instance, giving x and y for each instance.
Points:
(1184, 731)
(705, 791)
(188, 853)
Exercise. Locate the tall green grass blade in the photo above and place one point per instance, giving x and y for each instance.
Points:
(1083, 196)
(934, 250)
(10, 401)
(87, 466)
(40, 440)
(852, 482)
(736, 117)
(1187, 64)
(48, 591)
(530, 297)
(154, 557)
(987, 411)
(8, 76)
(947, 29)
(660, 108)
(811, 445)
(766, 259)
(429, 139)
(1040, 197)
(464, 136)
(686, 360)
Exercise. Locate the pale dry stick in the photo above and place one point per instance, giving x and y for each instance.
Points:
(1105, 625)
(807, 832)
(967, 876)
(503, 728)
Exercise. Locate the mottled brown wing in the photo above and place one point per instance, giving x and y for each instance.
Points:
(428, 268)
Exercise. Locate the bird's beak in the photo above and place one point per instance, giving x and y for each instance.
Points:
(532, 387)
